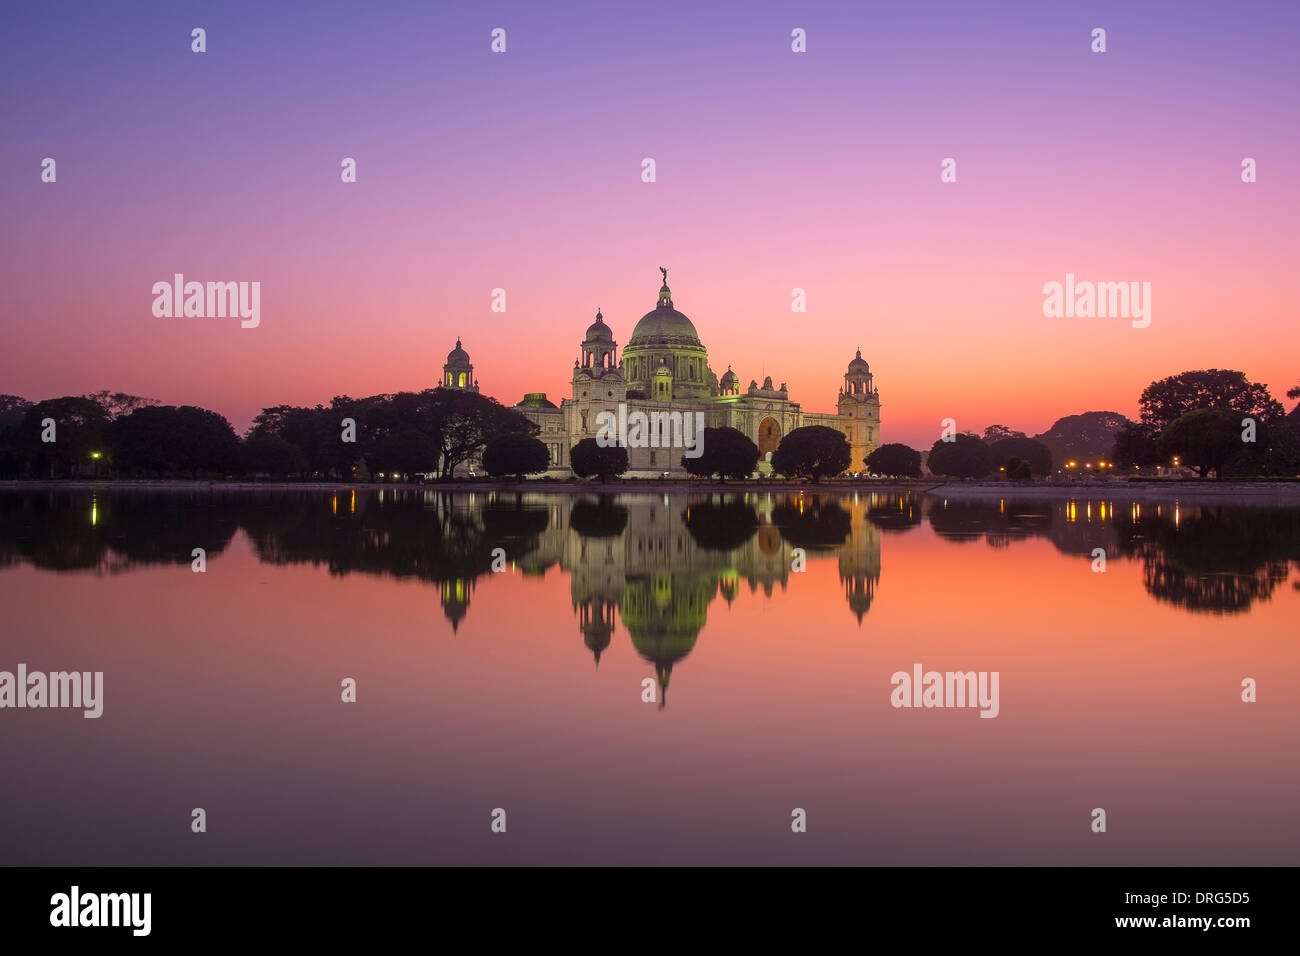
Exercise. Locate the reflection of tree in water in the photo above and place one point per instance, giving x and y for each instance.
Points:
(814, 523)
(601, 518)
(1213, 559)
(430, 536)
(721, 526)
(73, 531)
(425, 535)
(895, 512)
(995, 522)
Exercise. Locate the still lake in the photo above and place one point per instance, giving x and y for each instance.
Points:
(522, 689)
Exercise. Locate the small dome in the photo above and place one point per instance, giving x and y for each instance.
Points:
(859, 363)
(598, 331)
(729, 377)
(458, 356)
(663, 369)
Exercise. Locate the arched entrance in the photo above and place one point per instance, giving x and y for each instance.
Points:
(769, 436)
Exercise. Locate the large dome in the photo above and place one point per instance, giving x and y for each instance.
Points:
(664, 326)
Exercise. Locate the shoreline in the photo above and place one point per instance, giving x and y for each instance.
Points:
(1189, 491)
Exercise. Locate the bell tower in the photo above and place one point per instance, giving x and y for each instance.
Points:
(859, 409)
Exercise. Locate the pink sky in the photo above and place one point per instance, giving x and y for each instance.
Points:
(775, 170)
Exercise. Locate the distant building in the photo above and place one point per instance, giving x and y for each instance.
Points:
(665, 367)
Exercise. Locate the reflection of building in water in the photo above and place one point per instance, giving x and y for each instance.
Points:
(859, 559)
(455, 600)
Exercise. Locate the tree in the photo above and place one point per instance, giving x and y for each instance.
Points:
(466, 421)
(1168, 399)
(1037, 455)
(408, 452)
(812, 451)
(78, 435)
(1293, 393)
(1203, 438)
(963, 457)
(1018, 469)
(588, 458)
(157, 439)
(1135, 446)
(516, 455)
(119, 404)
(894, 459)
(998, 432)
(12, 410)
(725, 452)
(1282, 456)
(273, 455)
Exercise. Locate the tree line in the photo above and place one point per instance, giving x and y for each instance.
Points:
(1215, 421)
(112, 434)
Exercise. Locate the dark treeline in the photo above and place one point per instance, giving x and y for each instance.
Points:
(124, 436)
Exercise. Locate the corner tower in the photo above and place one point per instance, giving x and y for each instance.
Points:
(859, 411)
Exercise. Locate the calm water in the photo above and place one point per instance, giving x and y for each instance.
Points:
(523, 689)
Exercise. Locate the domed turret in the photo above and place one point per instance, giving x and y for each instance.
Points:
(598, 331)
(599, 350)
(729, 384)
(458, 372)
(857, 379)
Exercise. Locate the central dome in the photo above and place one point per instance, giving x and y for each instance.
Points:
(664, 326)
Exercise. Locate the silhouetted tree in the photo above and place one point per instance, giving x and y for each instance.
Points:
(119, 404)
(516, 455)
(1017, 469)
(12, 410)
(894, 459)
(273, 455)
(1135, 445)
(467, 421)
(1166, 400)
(79, 434)
(812, 451)
(725, 452)
(998, 432)
(157, 439)
(408, 452)
(588, 458)
(963, 457)
(1034, 453)
(1203, 439)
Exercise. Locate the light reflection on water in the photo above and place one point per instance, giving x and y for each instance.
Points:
(771, 684)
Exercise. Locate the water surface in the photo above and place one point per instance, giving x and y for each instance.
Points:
(522, 689)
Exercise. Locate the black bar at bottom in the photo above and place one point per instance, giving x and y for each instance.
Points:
(661, 906)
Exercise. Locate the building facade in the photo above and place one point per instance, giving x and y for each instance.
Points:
(665, 368)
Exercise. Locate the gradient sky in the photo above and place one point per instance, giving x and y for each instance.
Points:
(775, 170)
